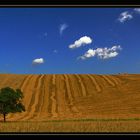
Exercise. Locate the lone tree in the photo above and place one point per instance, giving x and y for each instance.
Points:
(10, 101)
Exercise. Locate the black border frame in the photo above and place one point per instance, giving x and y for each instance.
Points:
(77, 4)
(68, 2)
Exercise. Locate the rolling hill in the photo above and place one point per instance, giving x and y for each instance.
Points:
(74, 96)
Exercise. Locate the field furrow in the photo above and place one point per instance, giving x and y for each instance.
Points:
(61, 96)
(83, 90)
(33, 90)
(23, 81)
(30, 99)
(33, 110)
(85, 83)
(119, 79)
(60, 92)
(74, 86)
(12, 114)
(98, 89)
(44, 106)
(116, 80)
(25, 89)
(75, 83)
(42, 96)
(53, 97)
(39, 106)
(108, 80)
(69, 95)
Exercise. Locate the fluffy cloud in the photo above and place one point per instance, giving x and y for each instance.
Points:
(137, 10)
(81, 42)
(125, 16)
(88, 54)
(38, 61)
(102, 53)
(62, 28)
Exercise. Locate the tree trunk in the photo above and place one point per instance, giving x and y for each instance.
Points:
(4, 116)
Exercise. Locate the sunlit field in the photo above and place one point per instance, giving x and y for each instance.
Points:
(70, 69)
(73, 126)
(75, 103)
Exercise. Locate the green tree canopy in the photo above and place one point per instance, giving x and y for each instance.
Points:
(10, 101)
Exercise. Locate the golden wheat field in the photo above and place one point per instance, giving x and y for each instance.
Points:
(73, 126)
(75, 96)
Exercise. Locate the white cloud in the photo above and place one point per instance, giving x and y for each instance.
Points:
(102, 53)
(125, 16)
(38, 61)
(88, 54)
(62, 28)
(81, 42)
(137, 10)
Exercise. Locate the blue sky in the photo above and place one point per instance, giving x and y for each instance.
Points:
(69, 40)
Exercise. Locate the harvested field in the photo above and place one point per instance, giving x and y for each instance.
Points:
(75, 96)
(83, 126)
(63, 96)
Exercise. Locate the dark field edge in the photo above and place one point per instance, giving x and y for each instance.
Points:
(69, 133)
(69, 136)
